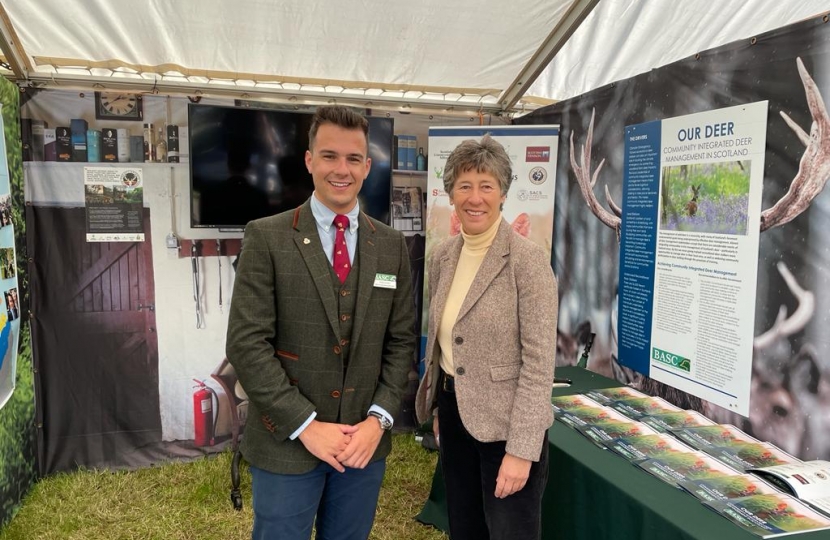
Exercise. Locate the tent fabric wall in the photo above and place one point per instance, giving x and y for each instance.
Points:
(393, 46)
(17, 417)
(791, 372)
(623, 38)
(465, 52)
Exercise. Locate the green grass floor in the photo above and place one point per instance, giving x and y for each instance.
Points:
(179, 501)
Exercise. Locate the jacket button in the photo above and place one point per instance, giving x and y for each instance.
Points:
(460, 371)
(344, 317)
(459, 340)
(336, 349)
(335, 394)
(344, 342)
(344, 293)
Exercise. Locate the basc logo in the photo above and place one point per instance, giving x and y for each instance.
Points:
(671, 359)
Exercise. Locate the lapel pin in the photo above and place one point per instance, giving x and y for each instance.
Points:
(306, 241)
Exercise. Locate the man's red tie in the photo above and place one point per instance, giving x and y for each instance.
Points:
(340, 258)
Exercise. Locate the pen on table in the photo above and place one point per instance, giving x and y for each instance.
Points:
(557, 380)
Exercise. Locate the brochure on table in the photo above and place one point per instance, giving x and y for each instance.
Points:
(807, 480)
(771, 515)
(713, 462)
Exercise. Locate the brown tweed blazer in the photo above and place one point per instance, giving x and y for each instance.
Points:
(504, 342)
(283, 337)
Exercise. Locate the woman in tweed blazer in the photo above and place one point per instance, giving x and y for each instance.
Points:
(490, 356)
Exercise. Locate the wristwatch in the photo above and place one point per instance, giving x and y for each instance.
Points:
(385, 423)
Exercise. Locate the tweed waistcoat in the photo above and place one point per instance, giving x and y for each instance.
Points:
(346, 295)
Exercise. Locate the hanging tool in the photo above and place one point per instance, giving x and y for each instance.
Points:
(197, 295)
(219, 258)
(583, 360)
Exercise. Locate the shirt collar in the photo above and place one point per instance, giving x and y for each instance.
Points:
(324, 216)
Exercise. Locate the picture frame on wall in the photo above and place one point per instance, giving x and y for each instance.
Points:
(406, 202)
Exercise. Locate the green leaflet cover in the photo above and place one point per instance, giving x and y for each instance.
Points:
(578, 410)
(646, 446)
(720, 488)
(674, 467)
(771, 515)
(676, 420)
(607, 395)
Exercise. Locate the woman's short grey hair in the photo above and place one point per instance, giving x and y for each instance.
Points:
(487, 156)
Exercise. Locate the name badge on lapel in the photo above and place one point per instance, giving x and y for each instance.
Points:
(386, 281)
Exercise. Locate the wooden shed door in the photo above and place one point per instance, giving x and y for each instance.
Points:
(95, 342)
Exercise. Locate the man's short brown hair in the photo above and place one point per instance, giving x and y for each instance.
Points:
(340, 116)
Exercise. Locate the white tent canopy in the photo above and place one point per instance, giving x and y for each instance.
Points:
(481, 55)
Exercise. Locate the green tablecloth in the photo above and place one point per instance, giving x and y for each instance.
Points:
(593, 494)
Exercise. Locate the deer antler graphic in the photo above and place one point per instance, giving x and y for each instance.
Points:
(586, 180)
(785, 326)
(809, 181)
(814, 168)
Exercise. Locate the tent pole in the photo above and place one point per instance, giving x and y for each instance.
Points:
(12, 50)
(290, 97)
(567, 25)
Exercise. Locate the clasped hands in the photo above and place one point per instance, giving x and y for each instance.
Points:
(342, 445)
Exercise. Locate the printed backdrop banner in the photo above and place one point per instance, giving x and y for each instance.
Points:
(17, 415)
(10, 301)
(529, 204)
(790, 373)
(115, 341)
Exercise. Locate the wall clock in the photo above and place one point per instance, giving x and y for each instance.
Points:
(118, 106)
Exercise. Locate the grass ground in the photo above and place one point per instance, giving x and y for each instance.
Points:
(190, 501)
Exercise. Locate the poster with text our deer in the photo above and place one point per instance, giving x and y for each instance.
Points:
(789, 68)
(691, 210)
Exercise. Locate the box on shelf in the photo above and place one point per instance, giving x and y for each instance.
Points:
(109, 145)
(123, 145)
(31, 134)
(78, 128)
(137, 148)
(93, 145)
(173, 143)
(50, 152)
(63, 144)
(411, 152)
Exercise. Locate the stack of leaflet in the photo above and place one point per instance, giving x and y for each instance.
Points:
(719, 464)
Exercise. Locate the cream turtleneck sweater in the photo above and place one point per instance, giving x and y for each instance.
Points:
(472, 254)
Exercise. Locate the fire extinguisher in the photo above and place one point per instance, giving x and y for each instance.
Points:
(203, 414)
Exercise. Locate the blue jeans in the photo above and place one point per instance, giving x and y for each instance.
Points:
(344, 504)
(470, 470)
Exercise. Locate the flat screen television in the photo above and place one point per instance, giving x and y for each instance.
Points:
(247, 163)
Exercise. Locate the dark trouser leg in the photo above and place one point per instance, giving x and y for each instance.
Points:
(520, 514)
(347, 510)
(470, 471)
(285, 504)
(462, 473)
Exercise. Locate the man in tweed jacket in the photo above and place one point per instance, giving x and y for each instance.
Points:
(323, 358)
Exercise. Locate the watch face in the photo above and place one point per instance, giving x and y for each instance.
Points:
(385, 424)
(118, 105)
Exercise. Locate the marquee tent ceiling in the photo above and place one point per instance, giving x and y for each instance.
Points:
(482, 55)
